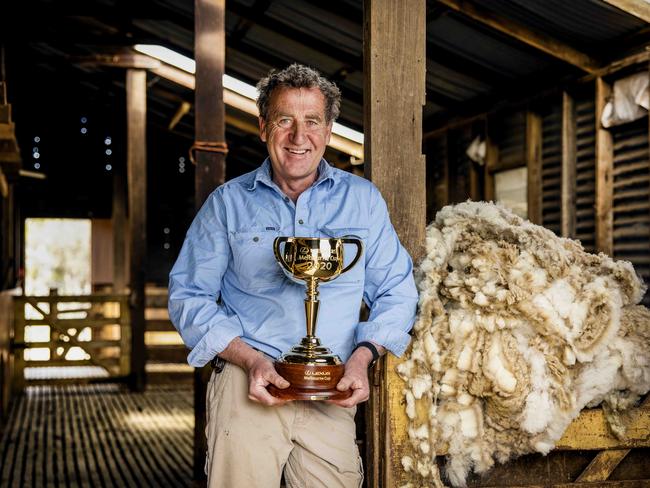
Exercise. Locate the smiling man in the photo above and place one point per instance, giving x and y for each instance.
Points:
(233, 306)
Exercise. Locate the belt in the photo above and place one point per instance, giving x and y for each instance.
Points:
(218, 364)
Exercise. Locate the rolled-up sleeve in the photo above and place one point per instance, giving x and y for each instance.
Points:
(195, 286)
(389, 289)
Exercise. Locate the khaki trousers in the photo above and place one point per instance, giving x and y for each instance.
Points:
(249, 445)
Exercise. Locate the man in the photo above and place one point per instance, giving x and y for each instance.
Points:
(229, 298)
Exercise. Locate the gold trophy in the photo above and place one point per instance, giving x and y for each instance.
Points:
(311, 369)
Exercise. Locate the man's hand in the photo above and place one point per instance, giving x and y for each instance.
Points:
(355, 378)
(261, 371)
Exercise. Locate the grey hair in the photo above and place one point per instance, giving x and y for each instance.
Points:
(298, 76)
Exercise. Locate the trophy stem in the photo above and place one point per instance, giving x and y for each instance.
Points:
(311, 307)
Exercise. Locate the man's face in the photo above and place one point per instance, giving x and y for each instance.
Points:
(296, 133)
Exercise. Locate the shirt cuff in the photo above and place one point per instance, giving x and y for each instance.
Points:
(215, 341)
(393, 339)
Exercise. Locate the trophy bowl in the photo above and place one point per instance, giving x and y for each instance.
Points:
(311, 369)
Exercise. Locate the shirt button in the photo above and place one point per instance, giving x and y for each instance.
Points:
(300, 222)
(286, 199)
(255, 239)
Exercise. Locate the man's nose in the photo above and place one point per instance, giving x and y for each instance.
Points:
(298, 133)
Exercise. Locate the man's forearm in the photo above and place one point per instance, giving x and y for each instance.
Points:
(240, 353)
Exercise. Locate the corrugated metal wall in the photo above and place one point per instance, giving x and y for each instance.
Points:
(632, 196)
(552, 167)
(586, 168)
(512, 139)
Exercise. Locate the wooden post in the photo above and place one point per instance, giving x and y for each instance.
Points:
(534, 164)
(394, 68)
(18, 382)
(604, 176)
(491, 160)
(568, 221)
(125, 338)
(210, 55)
(119, 230)
(136, 110)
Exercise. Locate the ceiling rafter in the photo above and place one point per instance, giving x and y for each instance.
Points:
(540, 41)
(637, 8)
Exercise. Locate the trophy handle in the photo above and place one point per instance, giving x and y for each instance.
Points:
(359, 244)
(278, 254)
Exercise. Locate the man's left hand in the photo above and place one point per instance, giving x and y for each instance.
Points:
(355, 378)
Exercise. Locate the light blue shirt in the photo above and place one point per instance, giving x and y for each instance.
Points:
(226, 282)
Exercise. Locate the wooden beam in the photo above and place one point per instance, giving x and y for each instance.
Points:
(591, 432)
(606, 484)
(603, 465)
(210, 127)
(136, 159)
(604, 176)
(568, 218)
(122, 60)
(534, 165)
(538, 40)
(394, 69)
(637, 8)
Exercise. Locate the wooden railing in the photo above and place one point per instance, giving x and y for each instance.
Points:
(98, 325)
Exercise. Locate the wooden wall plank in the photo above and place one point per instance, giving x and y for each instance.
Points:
(394, 68)
(604, 177)
(569, 156)
(136, 101)
(534, 165)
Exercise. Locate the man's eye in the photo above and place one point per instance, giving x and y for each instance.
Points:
(312, 123)
(284, 122)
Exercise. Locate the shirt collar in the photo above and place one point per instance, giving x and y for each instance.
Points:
(263, 174)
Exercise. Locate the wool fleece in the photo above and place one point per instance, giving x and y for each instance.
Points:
(518, 330)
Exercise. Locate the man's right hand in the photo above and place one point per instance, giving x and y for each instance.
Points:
(261, 371)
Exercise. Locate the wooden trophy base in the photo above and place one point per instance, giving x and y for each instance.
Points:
(310, 382)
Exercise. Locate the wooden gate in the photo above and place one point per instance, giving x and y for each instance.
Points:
(65, 331)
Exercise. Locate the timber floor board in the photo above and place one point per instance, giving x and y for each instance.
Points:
(98, 435)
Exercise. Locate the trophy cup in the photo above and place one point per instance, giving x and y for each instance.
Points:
(311, 369)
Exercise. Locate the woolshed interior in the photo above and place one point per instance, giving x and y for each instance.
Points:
(108, 146)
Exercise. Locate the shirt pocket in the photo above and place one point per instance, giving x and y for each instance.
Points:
(357, 273)
(254, 262)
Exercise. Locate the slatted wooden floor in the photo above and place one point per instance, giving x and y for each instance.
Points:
(99, 435)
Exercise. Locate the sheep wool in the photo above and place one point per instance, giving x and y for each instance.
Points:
(517, 331)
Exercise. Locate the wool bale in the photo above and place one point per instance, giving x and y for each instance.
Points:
(517, 331)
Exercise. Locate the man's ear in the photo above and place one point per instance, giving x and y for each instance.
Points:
(262, 123)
